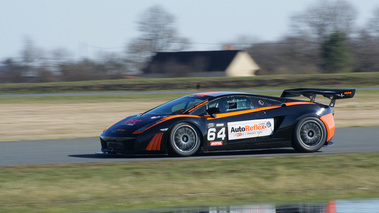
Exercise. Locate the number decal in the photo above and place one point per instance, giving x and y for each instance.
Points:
(217, 134)
(221, 133)
(212, 134)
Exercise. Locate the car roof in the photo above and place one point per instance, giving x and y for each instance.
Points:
(211, 95)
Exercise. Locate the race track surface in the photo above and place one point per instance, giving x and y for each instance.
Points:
(346, 140)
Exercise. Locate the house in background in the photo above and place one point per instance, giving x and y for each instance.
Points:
(201, 64)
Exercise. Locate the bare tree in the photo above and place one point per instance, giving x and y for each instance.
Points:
(365, 48)
(323, 18)
(80, 71)
(158, 31)
(138, 52)
(113, 65)
(59, 56)
(31, 57)
(290, 55)
(365, 45)
(158, 34)
(241, 42)
(12, 72)
(373, 23)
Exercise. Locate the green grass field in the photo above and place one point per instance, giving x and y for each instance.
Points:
(187, 182)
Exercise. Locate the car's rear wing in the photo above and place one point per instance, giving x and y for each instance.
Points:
(332, 94)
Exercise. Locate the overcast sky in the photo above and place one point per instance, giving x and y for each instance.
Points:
(85, 27)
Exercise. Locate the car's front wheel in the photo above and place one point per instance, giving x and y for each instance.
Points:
(309, 135)
(184, 140)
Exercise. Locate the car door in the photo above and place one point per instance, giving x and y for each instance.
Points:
(235, 125)
(273, 117)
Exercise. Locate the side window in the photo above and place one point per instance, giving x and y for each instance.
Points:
(178, 108)
(200, 111)
(264, 102)
(231, 103)
(221, 103)
(273, 102)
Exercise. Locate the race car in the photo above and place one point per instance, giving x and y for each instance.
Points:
(228, 121)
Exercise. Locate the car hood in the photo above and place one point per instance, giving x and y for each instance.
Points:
(128, 125)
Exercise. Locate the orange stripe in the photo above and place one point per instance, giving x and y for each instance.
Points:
(158, 141)
(223, 115)
(150, 146)
(110, 125)
(155, 143)
(297, 103)
(329, 124)
(198, 106)
(242, 112)
(167, 118)
(205, 94)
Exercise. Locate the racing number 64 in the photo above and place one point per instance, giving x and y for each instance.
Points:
(213, 134)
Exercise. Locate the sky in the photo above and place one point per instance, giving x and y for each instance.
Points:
(87, 27)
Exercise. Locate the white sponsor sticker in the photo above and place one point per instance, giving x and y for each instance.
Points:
(250, 129)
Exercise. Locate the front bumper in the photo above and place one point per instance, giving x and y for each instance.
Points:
(118, 145)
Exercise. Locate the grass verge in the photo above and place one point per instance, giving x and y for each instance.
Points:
(365, 95)
(187, 182)
(357, 80)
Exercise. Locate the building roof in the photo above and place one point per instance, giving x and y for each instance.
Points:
(210, 61)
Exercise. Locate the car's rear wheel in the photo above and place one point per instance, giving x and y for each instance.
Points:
(184, 140)
(309, 135)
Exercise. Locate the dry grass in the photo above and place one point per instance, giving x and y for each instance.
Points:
(51, 120)
(362, 110)
(33, 121)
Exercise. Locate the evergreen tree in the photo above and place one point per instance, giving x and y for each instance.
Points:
(336, 55)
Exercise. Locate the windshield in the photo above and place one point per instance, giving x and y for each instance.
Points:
(177, 106)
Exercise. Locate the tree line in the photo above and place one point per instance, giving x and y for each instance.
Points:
(324, 38)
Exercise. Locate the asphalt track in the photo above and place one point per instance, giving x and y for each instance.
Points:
(346, 140)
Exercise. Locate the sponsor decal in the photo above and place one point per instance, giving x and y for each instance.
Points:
(250, 129)
(132, 122)
(211, 125)
(343, 94)
(155, 117)
(347, 93)
(216, 143)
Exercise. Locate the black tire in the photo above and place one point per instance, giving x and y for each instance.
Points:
(309, 135)
(184, 140)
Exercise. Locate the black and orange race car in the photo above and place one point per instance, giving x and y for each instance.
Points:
(222, 121)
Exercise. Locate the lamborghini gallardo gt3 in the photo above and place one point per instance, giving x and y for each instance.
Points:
(228, 121)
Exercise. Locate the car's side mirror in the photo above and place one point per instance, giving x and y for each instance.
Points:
(213, 111)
